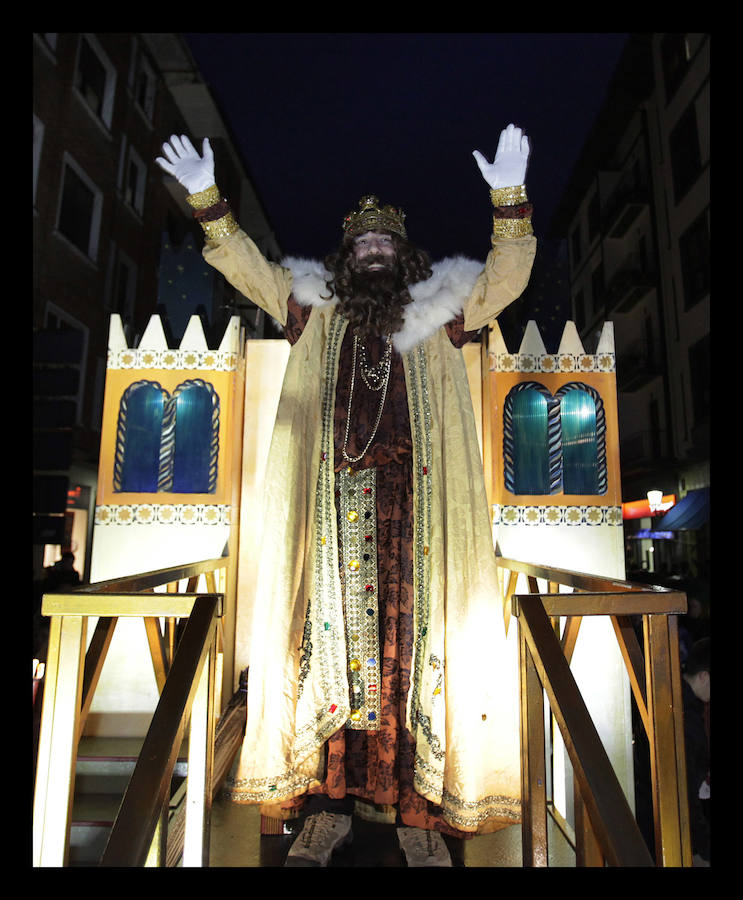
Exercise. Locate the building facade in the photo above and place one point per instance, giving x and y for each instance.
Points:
(113, 234)
(636, 219)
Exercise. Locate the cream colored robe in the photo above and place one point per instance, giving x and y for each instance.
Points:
(467, 735)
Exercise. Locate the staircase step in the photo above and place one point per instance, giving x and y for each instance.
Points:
(102, 772)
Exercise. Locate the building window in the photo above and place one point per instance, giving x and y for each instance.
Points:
(80, 208)
(694, 254)
(167, 443)
(686, 161)
(575, 244)
(135, 179)
(144, 87)
(699, 370)
(597, 288)
(579, 304)
(554, 444)
(49, 38)
(123, 288)
(95, 79)
(38, 142)
(594, 217)
(674, 51)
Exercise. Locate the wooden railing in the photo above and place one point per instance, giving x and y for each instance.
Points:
(186, 677)
(605, 831)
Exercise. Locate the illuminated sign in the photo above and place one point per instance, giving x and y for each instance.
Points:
(638, 509)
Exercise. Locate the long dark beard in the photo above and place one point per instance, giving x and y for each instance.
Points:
(376, 301)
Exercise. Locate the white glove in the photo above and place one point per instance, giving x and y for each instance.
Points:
(194, 172)
(508, 169)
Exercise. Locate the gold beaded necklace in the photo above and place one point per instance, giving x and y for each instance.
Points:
(376, 378)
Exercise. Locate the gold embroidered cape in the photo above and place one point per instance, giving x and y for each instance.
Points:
(467, 735)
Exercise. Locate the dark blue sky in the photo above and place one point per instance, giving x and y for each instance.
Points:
(323, 118)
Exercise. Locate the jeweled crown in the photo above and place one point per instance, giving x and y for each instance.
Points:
(371, 217)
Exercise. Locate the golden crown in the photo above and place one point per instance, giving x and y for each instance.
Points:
(371, 218)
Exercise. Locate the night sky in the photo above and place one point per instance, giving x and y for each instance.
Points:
(321, 119)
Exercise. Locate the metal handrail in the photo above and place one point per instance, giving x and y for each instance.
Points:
(606, 830)
(147, 794)
(70, 679)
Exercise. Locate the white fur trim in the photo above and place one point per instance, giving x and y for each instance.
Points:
(436, 301)
(308, 281)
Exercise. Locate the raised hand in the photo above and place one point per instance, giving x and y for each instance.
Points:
(194, 172)
(511, 158)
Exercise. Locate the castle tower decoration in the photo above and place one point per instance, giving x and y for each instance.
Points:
(555, 487)
(168, 480)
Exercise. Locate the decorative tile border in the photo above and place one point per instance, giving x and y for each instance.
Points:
(557, 515)
(163, 514)
(552, 362)
(142, 358)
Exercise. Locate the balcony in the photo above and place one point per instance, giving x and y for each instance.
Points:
(637, 364)
(629, 285)
(622, 208)
(644, 452)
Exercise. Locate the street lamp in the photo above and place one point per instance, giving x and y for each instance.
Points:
(655, 500)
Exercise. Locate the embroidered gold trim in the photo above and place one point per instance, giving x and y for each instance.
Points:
(220, 228)
(509, 196)
(421, 432)
(511, 228)
(357, 516)
(205, 199)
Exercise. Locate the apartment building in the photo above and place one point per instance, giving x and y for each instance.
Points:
(113, 234)
(636, 219)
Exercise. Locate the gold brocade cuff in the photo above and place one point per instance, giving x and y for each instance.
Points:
(206, 198)
(511, 228)
(220, 228)
(509, 196)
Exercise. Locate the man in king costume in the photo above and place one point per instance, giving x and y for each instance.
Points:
(379, 651)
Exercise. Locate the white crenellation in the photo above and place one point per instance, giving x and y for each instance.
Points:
(193, 353)
(533, 357)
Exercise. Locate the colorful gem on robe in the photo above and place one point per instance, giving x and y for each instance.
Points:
(425, 470)
(323, 540)
(371, 661)
(354, 665)
(369, 587)
(367, 490)
(352, 515)
(425, 551)
(326, 626)
(332, 708)
(323, 456)
(355, 715)
(368, 537)
(372, 716)
(354, 565)
(370, 612)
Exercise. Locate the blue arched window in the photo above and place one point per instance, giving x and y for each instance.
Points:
(196, 437)
(531, 440)
(167, 443)
(583, 439)
(137, 464)
(554, 444)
